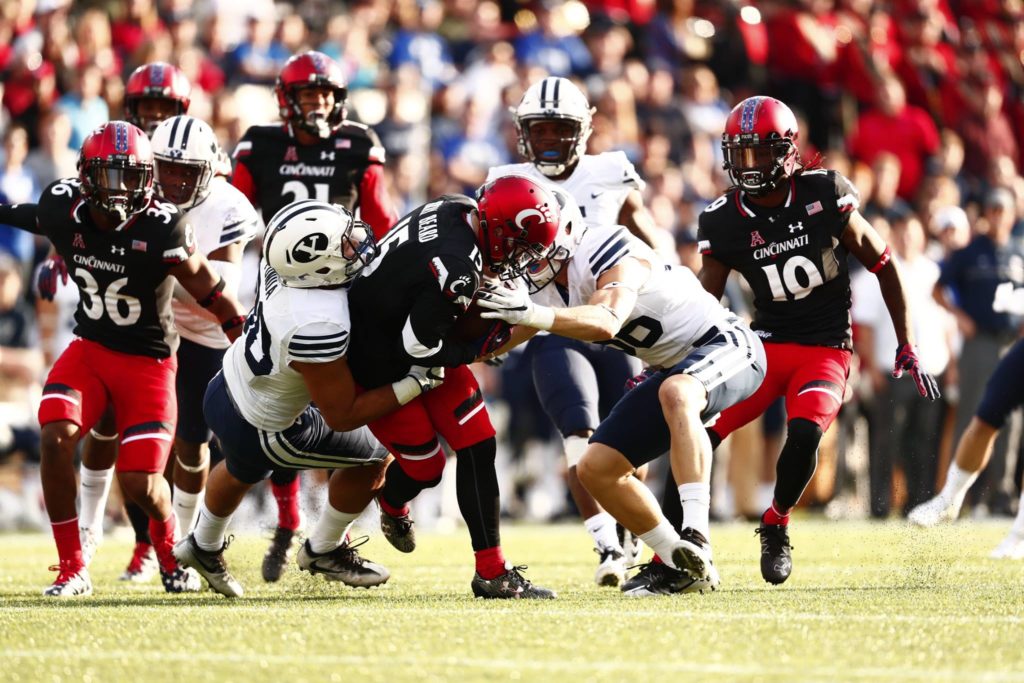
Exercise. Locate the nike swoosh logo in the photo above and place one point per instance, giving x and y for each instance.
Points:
(595, 195)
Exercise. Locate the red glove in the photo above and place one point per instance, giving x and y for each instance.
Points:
(496, 337)
(906, 359)
(51, 269)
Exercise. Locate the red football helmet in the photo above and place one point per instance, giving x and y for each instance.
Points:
(115, 168)
(157, 81)
(519, 220)
(311, 70)
(760, 144)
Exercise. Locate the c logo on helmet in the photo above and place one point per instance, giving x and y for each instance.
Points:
(310, 247)
(524, 214)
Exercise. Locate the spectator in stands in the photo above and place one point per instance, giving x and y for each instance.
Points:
(17, 181)
(985, 131)
(417, 42)
(259, 57)
(84, 105)
(552, 45)
(53, 158)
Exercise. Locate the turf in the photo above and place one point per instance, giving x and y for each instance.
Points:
(866, 602)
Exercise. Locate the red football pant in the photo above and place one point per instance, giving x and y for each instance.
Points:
(811, 378)
(141, 390)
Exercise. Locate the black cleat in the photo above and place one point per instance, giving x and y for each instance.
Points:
(343, 564)
(776, 560)
(277, 554)
(210, 564)
(657, 578)
(398, 531)
(510, 585)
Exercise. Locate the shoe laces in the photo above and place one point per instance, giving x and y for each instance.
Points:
(774, 536)
(65, 572)
(347, 553)
(653, 571)
(608, 551)
(403, 523)
(516, 572)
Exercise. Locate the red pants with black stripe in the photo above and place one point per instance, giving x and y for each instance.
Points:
(455, 411)
(88, 376)
(811, 378)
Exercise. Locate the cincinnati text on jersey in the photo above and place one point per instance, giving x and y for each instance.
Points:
(301, 169)
(776, 248)
(93, 263)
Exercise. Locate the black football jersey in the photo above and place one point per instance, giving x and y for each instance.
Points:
(791, 256)
(406, 301)
(284, 171)
(124, 291)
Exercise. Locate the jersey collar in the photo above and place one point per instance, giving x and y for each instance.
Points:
(749, 212)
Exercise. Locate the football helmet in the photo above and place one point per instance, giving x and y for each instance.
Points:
(311, 70)
(519, 219)
(559, 101)
(760, 144)
(185, 152)
(316, 244)
(115, 168)
(571, 228)
(158, 81)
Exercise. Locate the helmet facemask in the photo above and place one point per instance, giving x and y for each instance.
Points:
(543, 272)
(118, 187)
(758, 167)
(552, 143)
(317, 122)
(358, 248)
(183, 183)
(149, 111)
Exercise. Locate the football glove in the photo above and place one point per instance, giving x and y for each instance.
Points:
(906, 359)
(419, 380)
(514, 307)
(497, 337)
(49, 271)
(634, 382)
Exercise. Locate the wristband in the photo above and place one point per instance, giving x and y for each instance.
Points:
(542, 318)
(215, 293)
(882, 260)
(232, 322)
(406, 389)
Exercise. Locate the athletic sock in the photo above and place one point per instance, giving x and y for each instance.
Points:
(490, 562)
(287, 497)
(601, 528)
(696, 502)
(661, 539)
(330, 529)
(161, 531)
(210, 529)
(69, 546)
(95, 488)
(957, 482)
(1018, 523)
(186, 508)
(392, 510)
(774, 516)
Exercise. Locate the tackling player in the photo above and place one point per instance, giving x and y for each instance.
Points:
(122, 243)
(261, 406)
(578, 383)
(405, 306)
(603, 285)
(315, 153)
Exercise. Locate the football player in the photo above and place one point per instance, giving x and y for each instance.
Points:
(578, 383)
(315, 153)
(405, 306)
(603, 285)
(294, 353)
(121, 242)
(186, 154)
(787, 228)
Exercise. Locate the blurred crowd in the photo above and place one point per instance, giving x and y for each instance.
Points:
(919, 102)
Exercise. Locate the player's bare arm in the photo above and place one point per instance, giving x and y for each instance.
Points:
(638, 220)
(203, 283)
(713, 275)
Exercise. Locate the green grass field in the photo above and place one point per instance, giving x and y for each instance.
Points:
(866, 602)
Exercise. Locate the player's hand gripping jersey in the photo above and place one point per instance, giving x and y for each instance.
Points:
(791, 256)
(121, 274)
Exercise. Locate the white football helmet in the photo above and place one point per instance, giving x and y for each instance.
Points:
(571, 227)
(316, 244)
(187, 153)
(554, 99)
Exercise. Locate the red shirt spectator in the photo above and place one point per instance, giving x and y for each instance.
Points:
(984, 128)
(904, 130)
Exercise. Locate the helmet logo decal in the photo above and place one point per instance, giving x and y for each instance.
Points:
(120, 138)
(157, 73)
(524, 214)
(749, 114)
(309, 248)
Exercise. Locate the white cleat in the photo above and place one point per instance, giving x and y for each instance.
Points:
(1011, 548)
(632, 546)
(143, 565)
(692, 556)
(77, 585)
(935, 511)
(612, 569)
(90, 540)
(210, 564)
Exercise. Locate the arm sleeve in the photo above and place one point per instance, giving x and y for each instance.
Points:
(22, 216)
(243, 181)
(374, 204)
(423, 336)
(847, 200)
(319, 342)
(180, 244)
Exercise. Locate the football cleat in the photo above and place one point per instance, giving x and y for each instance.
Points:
(510, 585)
(181, 580)
(277, 554)
(611, 571)
(210, 564)
(398, 531)
(343, 564)
(657, 578)
(143, 565)
(1011, 548)
(70, 583)
(692, 554)
(776, 560)
(934, 511)
(90, 541)
(632, 546)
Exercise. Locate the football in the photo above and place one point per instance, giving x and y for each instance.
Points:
(470, 326)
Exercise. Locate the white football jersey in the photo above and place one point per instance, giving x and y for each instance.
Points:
(599, 184)
(287, 323)
(672, 309)
(223, 218)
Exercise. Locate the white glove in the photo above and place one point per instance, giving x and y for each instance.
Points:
(419, 380)
(1008, 299)
(514, 307)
